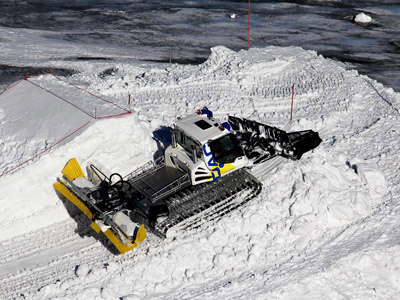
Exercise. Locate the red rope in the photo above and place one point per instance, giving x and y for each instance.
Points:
(113, 116)
(37, 155)
(126, 112)
(60, 98)
(77, 107)
(75, 86)
(11, 87)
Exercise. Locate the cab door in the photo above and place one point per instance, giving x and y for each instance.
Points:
(180, 155)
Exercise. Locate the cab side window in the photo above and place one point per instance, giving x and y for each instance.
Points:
(187, 143)
(179, 137)
(190, 145)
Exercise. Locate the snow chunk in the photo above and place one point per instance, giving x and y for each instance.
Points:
(82, 270)
(219, 57)
(362, 18)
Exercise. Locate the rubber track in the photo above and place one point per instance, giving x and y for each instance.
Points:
(195, 205)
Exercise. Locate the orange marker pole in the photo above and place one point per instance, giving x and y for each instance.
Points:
(248, 27)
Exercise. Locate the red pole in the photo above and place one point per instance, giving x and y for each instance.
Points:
(291, 110)
(129, 100)
(248, 27)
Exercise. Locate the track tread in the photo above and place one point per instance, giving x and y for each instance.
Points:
(192, 207)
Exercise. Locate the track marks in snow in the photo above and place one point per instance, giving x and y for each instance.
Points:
(256, 89)
(46, 254)
(284, 242)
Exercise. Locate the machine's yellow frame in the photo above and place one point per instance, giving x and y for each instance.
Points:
(72, 170)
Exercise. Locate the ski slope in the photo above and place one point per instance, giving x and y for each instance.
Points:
(323, 227)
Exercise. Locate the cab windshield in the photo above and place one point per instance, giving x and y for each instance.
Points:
(226, 149)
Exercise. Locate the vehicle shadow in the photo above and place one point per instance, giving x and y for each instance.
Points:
(163, 137)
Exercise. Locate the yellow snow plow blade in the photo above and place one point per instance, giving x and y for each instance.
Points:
(123, 248)
(73, 199)
(72, 170)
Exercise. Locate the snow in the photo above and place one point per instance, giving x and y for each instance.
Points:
(38, 104)
(362, 18)
(318, 228)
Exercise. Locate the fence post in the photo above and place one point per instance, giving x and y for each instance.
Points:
(170, 51)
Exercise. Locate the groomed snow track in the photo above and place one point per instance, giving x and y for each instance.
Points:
(44, 253)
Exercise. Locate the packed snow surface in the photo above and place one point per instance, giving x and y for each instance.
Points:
(318, 228)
